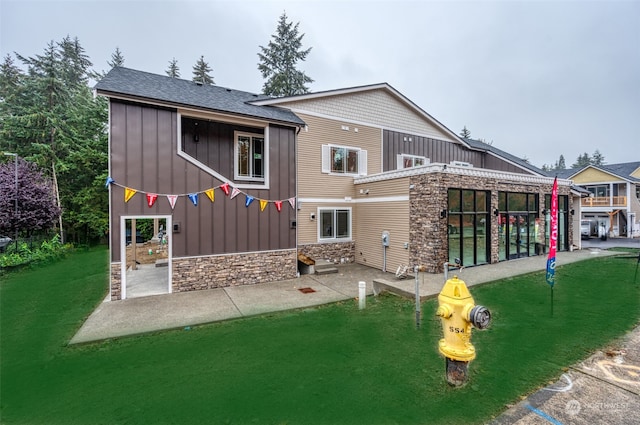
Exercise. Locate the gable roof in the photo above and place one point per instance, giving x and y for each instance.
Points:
(622, 170)
(128, 82)
(478, 145)
(359, 89)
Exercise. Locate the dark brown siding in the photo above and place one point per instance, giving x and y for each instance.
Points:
(144, 157)
(438, 151)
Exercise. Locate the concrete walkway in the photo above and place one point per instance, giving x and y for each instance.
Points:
(153, 313)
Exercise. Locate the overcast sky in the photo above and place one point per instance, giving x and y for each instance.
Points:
(536, 78)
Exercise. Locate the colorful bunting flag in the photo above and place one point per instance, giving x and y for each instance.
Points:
(225, 188)
(263, 204)
(128, 193)
(151, 199)
(210, 194)
(194, 198)
(292, 202)
(278, 205)
(248, 200)
(235, 192)
(172, 200)
(109, 181)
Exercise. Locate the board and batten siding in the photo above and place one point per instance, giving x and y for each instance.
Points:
(376, 107)
(384, 208)
(143, 156)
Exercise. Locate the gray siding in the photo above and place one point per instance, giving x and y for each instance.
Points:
(438, 151)
(144, 157)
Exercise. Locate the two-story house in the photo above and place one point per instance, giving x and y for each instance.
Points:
(217, 170)
(383, 183)
(614, 197)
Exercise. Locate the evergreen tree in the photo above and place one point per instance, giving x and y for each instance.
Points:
(201, 72)
(597, 158)
(560, 164)
(582, 161)
(173, 71)
(465, 133)
(117, 59)
(55, 122)
(278, 61)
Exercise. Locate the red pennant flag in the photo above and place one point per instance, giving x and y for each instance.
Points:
(278, 205)
(151, 199)
(225, 188)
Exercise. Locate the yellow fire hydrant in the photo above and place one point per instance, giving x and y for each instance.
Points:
(458, 313)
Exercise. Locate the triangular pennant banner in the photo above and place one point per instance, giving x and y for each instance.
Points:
(194, 198)
(248, 200)
(278, 205)
(151, 199)
(292, 202)
(109, 181)
(263, 204)
(210, 194)
(172, 200)
(225, 188)
(128, 193)
(235, 192)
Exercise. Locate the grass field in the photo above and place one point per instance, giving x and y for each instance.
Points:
(328, 365)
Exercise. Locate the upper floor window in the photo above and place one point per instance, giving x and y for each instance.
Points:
(344, 160)
(249, 157)
(410, 161)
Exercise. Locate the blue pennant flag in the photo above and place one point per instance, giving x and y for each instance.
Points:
(109, 181)
(194, 198)
(248, 200)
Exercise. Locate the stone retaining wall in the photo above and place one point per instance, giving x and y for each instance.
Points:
(115, 284)
(334, 252)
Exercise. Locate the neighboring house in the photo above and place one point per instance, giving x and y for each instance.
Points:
(613, 200)
(383, 183)
(217, 170)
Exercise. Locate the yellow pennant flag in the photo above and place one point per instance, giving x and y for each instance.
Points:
(263, 204)
(210, 194)
(128, 193)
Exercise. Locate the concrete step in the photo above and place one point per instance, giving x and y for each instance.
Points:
(325, 267)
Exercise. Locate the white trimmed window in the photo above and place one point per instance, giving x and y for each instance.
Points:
(334, 223)
(410, 161)
(344, 160)
(249, 156)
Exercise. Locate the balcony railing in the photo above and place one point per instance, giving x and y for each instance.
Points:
(605, 201)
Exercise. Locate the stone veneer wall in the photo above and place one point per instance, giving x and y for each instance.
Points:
(429, 196)
(217, 271)
(334, 252)
(115, 284)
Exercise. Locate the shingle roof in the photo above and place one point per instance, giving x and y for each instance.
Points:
(144, 85)
(478, 145)
(622, 170)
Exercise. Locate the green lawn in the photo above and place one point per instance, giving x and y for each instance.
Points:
(329, 365)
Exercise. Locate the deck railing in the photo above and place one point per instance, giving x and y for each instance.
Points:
(605, 201)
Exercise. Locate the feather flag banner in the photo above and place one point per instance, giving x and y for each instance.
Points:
(128, 193)
(553, 240)
(151, 199)
(210, 193)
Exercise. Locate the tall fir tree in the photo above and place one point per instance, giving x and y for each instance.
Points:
(279, 59)
(465, 133)
(597, 158)
(173, 71)
(117, 59)
(201, 72)
(582, 161)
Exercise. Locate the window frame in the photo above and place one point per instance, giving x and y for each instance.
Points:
(334, 224)
(236, 157)
(401, 157)
(327, 160)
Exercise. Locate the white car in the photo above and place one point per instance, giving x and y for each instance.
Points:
(585, 229)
